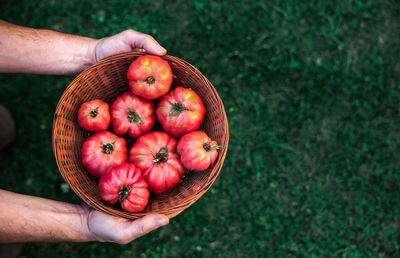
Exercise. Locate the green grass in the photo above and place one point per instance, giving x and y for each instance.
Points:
(311, 90)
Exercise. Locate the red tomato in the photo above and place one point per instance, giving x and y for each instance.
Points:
(155, 154)
(94, 116)
(102, 151)
(181, 111)
(132, 114)
(197, 150)
(150, 77)
(124, 183)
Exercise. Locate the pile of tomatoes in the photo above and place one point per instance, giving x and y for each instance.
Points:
(158, 159)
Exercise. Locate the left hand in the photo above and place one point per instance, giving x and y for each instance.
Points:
(126, 41)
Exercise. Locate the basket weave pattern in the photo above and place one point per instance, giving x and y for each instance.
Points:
(106, 80)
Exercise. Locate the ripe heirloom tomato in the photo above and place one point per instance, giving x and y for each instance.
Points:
(94, 116)
(197, 150)
(181, 111)
(149, 77)
(132, 114)
(102, 151)
(124, 183)
(155, 154)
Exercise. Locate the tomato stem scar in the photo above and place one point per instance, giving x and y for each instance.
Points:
(161, 156)
(124, 192)
(108, 148)
(208, 147)
(93, 113)
(177, 108)
(150, 79)
(134, 117)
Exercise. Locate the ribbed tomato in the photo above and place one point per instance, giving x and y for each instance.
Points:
(197, 150)
(155, 154)
(102, 151)
(94, 116)
(149, 77)
(132, 114)
(124, 183)
(181, 111)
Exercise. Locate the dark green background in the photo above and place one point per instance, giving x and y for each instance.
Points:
(311, 90)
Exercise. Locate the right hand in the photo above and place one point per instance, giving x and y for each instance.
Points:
(106, 228)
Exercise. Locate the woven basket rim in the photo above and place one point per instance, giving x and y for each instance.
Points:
(185, 203)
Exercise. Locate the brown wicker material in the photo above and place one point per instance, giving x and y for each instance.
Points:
(106, 80)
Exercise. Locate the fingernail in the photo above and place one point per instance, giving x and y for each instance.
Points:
(161, 221)
(162, 50)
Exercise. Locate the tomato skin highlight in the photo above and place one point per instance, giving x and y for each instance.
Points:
(102, 151)
(181, 111)
(149, 77)
(124, 183)
(155, 154)
(197, 150)
(94, 116)
(133, 115)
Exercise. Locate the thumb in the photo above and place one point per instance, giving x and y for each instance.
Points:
(147, 42)
(144, 225)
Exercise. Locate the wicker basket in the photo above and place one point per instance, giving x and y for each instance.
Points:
(106, 80)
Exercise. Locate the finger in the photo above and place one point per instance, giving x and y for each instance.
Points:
(146, 42)
(146, 224)
(139, 50)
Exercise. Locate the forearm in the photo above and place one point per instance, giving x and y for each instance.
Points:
(27, 50)
(32, 219)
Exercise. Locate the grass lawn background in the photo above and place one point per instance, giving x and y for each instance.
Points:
(311, 90)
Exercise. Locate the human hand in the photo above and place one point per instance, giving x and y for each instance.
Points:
(106, 228)
(126, 41)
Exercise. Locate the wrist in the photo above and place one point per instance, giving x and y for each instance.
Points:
(84, 213)
(90, 57)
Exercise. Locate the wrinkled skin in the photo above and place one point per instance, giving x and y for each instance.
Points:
(133, 115)
(149, 77)
(124, 183)
(94, 116)
(181, 111)
(197, 150)
(102, 151)
(155, 154)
